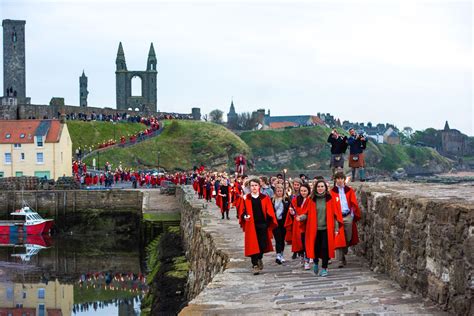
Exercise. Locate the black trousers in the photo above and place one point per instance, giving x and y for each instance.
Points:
(279, 235)
(321, 248)
(208, 194)
(261, 230)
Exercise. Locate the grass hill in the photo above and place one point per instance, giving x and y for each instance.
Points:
(306, 148)
(182, 145)
(90, 134)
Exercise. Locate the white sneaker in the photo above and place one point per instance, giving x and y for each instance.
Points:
(281, 258)
(307, 265)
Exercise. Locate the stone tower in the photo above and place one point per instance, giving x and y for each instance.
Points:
(83, 93)
(232, 116)
(146, 102)
(14, 68)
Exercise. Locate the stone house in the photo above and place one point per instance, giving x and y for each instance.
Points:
(41, 148)
(453, 142)
(391, 137)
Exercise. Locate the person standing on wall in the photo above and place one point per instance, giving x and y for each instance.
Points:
(357, 144)
(338, 149)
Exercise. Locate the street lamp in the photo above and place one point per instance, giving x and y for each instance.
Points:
(284, 181)
(114, 128)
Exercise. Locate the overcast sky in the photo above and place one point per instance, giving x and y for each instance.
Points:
(407, 62)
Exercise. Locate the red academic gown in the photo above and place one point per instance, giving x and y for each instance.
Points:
(332, 214)
(353, 206)
(293, 227)
(248, 226)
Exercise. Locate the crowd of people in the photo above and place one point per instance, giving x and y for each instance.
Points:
(317, 219)
(124, 117)
(85, 307)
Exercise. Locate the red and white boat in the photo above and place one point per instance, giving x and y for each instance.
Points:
(32, 223)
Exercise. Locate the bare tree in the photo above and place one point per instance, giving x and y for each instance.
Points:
(246, 121)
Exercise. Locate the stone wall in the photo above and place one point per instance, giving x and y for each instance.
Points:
(203, 256)
(422, 236)
(68, 202)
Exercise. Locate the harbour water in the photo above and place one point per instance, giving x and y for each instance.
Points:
(100, 274)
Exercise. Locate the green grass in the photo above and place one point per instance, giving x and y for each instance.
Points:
(162, 217)
(382, 157)
(90, 134)
(182, 145)
(88, 295)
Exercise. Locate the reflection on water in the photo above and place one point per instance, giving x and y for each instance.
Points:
(68, 275)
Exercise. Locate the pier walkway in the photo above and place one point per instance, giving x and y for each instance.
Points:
(289, 290)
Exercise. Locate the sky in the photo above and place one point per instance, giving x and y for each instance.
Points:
(405, 62)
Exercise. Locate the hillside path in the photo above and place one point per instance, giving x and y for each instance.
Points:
(288, 289)
(128, 143)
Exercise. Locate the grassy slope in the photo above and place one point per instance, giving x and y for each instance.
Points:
(182, 145)
(85, 134)
(381, 156)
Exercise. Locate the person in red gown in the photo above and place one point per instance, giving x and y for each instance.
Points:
(258, 221)
(323, 221)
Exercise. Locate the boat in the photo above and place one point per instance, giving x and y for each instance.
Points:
(32, 244)
(32, 224)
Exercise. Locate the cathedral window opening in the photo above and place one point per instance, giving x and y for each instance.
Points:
(136, 86)
(14, 37)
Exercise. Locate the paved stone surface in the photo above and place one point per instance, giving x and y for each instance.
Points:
(154, 202)
(288, 289)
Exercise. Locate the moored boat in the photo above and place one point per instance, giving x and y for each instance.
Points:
(33, 223)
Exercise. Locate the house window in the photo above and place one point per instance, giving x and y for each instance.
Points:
(17, 146)
(8, 158)
(10, 293)
(39, 141)
(39, 158)
(1, 174)
(24, 294)
(22, 156)
(41, 293)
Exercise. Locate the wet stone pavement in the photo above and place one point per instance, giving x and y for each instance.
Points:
(288, 289)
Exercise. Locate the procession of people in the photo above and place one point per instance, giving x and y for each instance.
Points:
(315, 218)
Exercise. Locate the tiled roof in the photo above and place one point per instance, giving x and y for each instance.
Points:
(275, 125)
(23, 131)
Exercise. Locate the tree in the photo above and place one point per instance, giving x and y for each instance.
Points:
(407, 131)
(215, 116)
(246, 121)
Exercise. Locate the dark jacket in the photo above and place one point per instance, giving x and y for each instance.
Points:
(356, 145)
(338, 145)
